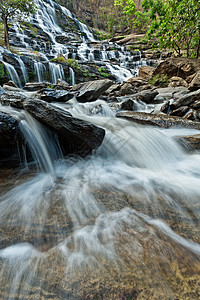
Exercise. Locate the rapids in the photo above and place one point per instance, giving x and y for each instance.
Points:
(120, 224)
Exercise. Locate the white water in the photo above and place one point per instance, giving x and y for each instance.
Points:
(144, 164)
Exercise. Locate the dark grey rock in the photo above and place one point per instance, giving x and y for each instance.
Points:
(75, 136)
(56, 95)
(127, 105)
(91, 90)
(180, 112)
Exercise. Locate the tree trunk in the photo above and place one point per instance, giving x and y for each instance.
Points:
(6, 34)
(198, 47)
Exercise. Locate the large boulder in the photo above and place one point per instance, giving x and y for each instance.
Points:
(180, 67)
(160, 120)
(75, 136)
(146, 72)
(91, 90)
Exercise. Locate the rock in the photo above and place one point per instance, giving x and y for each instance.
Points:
(62, 84)
(171, 92)
(190, 115)
(50, 95)
(165, 108)
(131, 86)
(75, 136)
(13, 99)
(181, 67)
(11, 83)
(195, 105)
(186, 100)
(180, 112)
(91, 90)
(8, 135)
(113, 88)
(36, 86)
(190, 143)
(11, 88)
(146, 96)
(190, 78)
(146, 72)
(127, 105)
(195, 83)
(177, 81)
(160, 120)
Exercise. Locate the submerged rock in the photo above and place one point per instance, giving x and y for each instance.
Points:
(75, 136)
(159, 120)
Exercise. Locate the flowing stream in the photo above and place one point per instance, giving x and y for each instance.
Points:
(120, 224)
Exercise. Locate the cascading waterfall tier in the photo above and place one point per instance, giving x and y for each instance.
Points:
(47, 44)
(123, 222)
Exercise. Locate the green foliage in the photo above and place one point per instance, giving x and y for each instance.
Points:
(2, 71)
(103, 72)
(61, 59)
(176, 23)
(14, 9)
(160, 80)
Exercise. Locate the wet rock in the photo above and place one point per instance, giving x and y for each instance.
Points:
(75, 136)
(36, 86)
(195, 105)
(160, 120)
(190, 143)
(13, 99)
(180, 112)
(127, 105)
(190, 115)
(56, 95)
(145, 72)
(186, 99)
(91, 90)
(195, 83)
(165, 108)
(8, 135)
(146, 96)
(11, 83)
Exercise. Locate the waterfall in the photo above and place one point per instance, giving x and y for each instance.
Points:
(107, 214)
(12, 73)
(56, 72)
(72, 76)
(39, 68)
(23, 68)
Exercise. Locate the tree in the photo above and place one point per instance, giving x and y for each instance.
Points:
(176, 23)
(10, 9)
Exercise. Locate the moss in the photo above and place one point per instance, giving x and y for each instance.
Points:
(103, 72)
(2, 71)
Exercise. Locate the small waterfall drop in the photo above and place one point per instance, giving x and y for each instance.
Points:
(72, 76)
